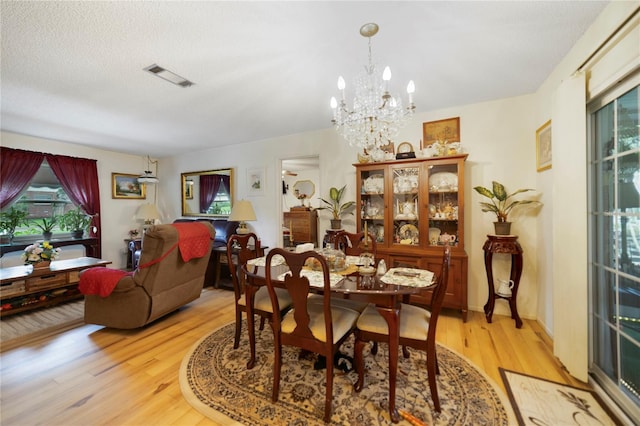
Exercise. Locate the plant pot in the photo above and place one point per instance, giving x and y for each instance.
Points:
(502, 228)
(336, 223)
(42, 264)
(77, 234)
(6, 239)
(47, 235)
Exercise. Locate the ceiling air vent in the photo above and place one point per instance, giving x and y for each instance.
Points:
(167, 75)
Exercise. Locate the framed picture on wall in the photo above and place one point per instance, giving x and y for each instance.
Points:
(255, 181)
(126, 186)
(543, 147)
(441, 130)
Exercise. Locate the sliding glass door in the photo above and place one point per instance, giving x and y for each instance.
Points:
(614, 235)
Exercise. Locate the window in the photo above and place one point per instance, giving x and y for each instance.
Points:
(614, 235)
(44, 198)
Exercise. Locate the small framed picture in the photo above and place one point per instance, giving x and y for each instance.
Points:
(447, 130)
(126, 186)
(255, 181)
(543, 147)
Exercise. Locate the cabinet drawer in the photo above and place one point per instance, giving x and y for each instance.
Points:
(73, 277)
(10, 289)
(47, 281)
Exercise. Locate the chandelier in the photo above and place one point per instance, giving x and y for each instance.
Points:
(375, 115)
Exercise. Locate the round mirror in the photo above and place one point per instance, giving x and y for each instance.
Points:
(304, 189)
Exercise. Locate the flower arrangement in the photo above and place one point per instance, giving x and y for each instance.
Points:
(133, 233)
(39, 252)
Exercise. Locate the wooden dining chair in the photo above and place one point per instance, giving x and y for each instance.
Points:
(315, 327)
(240, 249)
(354, 244)
(417, 330)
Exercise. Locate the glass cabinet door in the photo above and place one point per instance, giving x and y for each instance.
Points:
(372, 212)
(443, 204)
(405, 205)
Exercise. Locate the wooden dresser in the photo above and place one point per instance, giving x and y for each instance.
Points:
(303, 226)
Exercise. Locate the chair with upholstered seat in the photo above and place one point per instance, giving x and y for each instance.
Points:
(242, 248)
(317, 327)
(417, 330)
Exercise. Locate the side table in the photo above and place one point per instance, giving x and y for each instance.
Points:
(503, 244)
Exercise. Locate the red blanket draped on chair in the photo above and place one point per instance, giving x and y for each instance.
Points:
(100, 281)
(194, 240)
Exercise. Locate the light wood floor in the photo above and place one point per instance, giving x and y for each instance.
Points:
(93, 376)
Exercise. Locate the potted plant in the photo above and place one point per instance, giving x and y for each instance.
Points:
(10, 219)
(337, 209)
(501, 204)
(46, 224)
(75, 221)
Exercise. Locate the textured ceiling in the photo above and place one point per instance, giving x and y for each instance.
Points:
(72, 71)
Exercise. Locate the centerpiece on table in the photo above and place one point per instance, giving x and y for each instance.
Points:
(40, 255)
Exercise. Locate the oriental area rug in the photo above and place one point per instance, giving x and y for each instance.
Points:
(215, 381)
(542, 402)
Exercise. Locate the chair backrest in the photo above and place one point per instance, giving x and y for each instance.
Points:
(354, 244)
(298, 287)
(243, 248)
(166, 268)
(437, 297)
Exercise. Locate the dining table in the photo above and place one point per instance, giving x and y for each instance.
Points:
(387, 292)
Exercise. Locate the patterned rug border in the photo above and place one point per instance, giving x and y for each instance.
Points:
(225, 419)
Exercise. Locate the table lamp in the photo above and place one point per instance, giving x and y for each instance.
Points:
(148, 213)
(242, 211)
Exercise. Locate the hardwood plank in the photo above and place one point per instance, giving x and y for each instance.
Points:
(94, 375)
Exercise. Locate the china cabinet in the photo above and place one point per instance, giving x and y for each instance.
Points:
(413, 208)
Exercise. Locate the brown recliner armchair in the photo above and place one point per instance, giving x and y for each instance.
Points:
(162, 283)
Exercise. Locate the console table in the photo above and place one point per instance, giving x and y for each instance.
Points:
(503, 244)
(23, 288)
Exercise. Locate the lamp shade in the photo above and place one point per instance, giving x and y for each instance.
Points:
(242, 211)
(148, 212)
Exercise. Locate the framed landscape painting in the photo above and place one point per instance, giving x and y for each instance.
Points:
(447, 130)
(126, 186)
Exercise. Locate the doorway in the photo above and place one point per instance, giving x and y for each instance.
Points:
(300, 187)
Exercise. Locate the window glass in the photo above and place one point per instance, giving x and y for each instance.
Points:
(615, 236)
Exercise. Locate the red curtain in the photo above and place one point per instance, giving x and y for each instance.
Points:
(209, 185)
(79, 179)
(17, 168)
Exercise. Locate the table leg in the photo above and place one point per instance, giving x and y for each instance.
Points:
(392, 318)
(216, 278)
(516, 272)
(491, 301)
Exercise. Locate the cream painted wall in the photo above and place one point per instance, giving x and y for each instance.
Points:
(117, 214)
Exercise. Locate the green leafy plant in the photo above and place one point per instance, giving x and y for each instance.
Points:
(12, 218)
(337, 209)
(46, 224)
(75, 220)
(501, 203)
